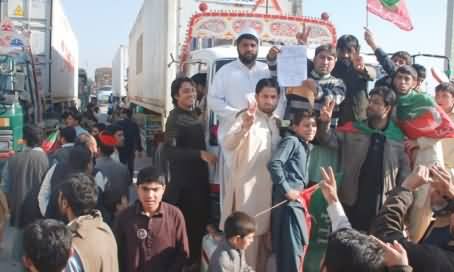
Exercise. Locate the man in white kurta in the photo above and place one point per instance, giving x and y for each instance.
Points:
(251, 140)
(232, 90)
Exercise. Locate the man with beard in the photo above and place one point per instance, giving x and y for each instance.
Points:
(252, 139)
(372, 155)
(233, 89)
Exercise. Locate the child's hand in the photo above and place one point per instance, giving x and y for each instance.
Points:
(292, 195)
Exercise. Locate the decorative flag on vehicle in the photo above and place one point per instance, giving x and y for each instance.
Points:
(394, 11)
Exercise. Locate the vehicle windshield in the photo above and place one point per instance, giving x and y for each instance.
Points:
(6, 71)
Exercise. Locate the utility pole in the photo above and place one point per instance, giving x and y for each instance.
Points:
(449, 45)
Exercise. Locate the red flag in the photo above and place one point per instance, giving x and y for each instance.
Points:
(394, 11)
(305, 200)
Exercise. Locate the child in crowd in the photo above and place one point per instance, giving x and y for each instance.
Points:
(289, 171)
(239, 229)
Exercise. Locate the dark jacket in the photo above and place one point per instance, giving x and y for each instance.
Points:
(388, 66)
(289, 164)
(353, 148)
(24, 176)
(184, 140)
(354, 107)
(389, 225)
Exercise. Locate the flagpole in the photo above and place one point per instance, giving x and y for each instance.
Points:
(367, 16)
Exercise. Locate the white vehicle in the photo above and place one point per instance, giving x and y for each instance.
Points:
(159, 51)
(104, 95)
(120, 72)
(54, 46)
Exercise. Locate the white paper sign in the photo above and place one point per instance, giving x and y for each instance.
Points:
(292, 66)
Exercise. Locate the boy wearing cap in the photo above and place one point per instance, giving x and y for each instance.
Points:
(151, 234)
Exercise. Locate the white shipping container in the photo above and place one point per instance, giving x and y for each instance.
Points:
(54, 46)
(120, 72)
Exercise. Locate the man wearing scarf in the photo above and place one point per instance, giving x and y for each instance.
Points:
(371, 155)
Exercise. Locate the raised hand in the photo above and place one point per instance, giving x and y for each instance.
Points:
(249, 115)
(328, 185)
(303, 37)
(272, 54)
(394, 254)
(358, 61)
(370, 40)
(442, 181)
(326, 112)
(417, 178)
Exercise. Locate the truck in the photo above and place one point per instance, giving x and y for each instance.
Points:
(103, 77)
(120, 73)
(39, 52)
(166, 35)
(54, 47)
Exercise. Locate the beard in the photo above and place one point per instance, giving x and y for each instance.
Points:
(247, 59)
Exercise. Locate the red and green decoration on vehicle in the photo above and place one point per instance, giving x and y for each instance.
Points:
(394, 11)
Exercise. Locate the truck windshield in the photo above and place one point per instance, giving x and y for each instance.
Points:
(6, 73)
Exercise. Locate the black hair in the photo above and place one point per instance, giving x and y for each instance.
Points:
(80, 192)
(33, 135)
(69, 134)
(74, 113)
(407, 70)
(350, 250)
(246, 37)
(47, 243)
(176, 85)
(326, 48)
(420, 71)
(100, 126)
(301, 115)
(388, 95)
(239, 223)
(112, 129)
(267, 82)
(347, 42)
(403, 55)
(126, 111)
(106, 150)
(80, 158)
(200, 79)
(150, 174)
(445, 87)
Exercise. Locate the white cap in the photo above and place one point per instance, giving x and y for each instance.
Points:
(248, 31)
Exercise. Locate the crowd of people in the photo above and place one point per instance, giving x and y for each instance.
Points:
(376, 164)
